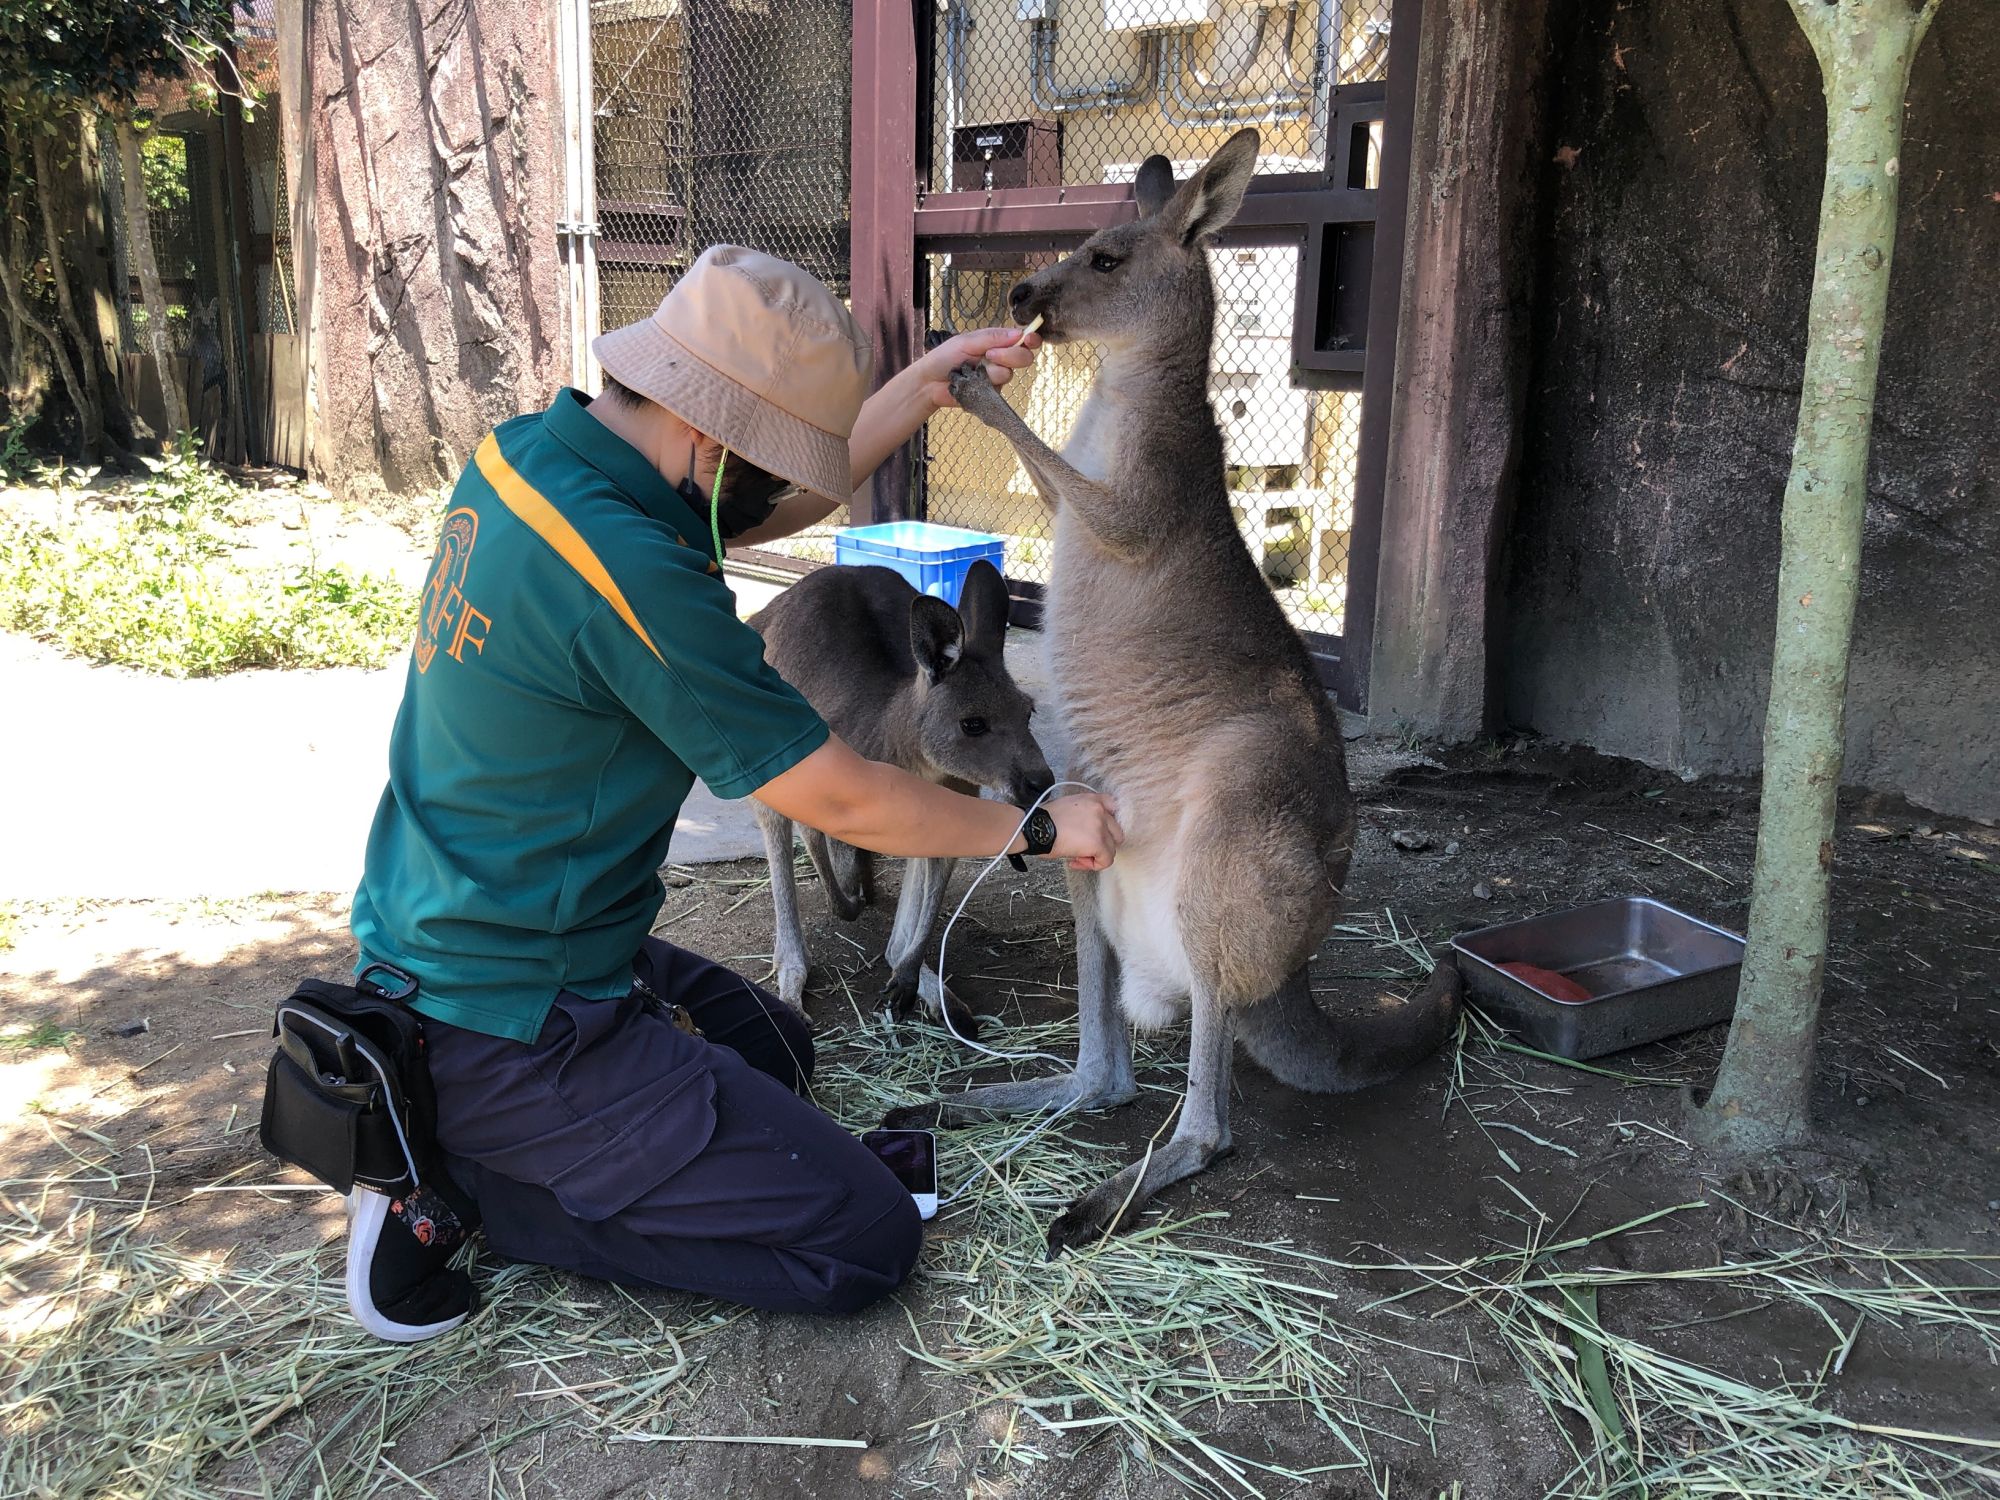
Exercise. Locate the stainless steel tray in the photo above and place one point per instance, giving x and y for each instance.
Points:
(1652, 972)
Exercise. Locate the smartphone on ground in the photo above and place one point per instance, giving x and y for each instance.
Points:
(912, 1156)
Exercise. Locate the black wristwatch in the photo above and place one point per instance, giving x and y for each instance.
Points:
(1040, 832)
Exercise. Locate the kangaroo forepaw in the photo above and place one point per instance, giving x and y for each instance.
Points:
(926, 1116)
(971, 389)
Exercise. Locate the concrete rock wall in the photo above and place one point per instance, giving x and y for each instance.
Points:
(1675, 264)
(438, 173)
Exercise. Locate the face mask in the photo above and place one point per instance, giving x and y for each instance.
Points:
(741, 499)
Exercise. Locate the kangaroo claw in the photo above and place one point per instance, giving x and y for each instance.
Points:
(1099, 1212)
(900, 996)
(958, 1018)
(969, 386)
(928, 1116)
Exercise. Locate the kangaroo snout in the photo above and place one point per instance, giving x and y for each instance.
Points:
(1019, 298)
(1026, 787)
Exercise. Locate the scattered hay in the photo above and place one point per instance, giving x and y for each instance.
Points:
(134, 1369)
(130, 1368)
(1156, 1341)
(1640, 1421)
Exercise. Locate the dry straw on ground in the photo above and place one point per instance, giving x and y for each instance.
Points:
(129, 1368)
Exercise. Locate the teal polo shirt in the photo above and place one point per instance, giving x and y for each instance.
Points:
(578, 664)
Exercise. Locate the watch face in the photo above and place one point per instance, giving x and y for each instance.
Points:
(1041, 831)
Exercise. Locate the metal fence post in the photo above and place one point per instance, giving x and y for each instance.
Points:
(884, 198)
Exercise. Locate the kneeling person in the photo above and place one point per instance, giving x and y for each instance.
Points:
(607, 1102)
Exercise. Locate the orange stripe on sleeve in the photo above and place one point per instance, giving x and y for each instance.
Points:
(527, 502)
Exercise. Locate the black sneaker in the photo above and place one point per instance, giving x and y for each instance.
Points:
(400, 1282)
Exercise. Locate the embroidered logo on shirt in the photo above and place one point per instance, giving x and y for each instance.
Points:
(448, 617)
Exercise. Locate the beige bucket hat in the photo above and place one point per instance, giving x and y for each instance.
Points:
(757, 354)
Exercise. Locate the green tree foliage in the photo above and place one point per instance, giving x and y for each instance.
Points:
(71, 52)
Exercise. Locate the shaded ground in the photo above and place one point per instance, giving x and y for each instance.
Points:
(1471, 1153)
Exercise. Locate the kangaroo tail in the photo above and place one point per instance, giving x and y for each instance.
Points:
(1298, 1044)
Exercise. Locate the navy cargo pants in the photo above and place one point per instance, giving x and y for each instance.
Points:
(619, 1146)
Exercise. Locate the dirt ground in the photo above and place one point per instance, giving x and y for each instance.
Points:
(1434, 1167)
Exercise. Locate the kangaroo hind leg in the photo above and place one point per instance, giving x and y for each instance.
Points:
(1103, 1074)
(788, 939)
(843, 872)
(911, 979)
(1200, 1137)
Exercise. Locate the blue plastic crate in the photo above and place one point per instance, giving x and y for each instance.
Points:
(935, 559)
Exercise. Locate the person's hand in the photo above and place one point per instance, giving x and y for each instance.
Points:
(1087, 831)
(1003, 350)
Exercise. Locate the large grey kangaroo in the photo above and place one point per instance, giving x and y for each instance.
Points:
(907, 679)
(1187, 697)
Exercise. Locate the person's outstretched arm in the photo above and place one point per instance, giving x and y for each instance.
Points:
(887, 810)
(890, 416)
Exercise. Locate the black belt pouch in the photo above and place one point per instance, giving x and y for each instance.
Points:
(348, 1097)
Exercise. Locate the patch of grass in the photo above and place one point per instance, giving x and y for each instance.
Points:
(40, 1037)
(157, 585)
(130, 1367)
(16, 458)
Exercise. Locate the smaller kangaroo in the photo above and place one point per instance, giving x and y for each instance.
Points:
(903, 678)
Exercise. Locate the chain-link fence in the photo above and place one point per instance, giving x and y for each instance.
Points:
(719, 122)
(1041, 93)
(1031, 93)
(179, 181)
(268, 202)
(1290, 452)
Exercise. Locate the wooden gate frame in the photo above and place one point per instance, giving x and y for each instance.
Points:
(897, 220)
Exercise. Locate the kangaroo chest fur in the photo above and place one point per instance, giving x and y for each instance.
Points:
(1170, 670)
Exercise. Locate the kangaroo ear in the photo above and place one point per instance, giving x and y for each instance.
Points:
(1154, 185)
(982, 604)
(1211, 197)
(937, 636)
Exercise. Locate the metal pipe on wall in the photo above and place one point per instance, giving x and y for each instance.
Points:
(957, 26)
(1279, 106)
(1326, 42)
(1112, 93)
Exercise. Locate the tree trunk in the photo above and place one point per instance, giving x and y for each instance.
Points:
(139, 236)
(13, 266)
(24, 393)
(48, 185)
(1761, 1095)
(104, 349)
(19, 261)
(437, 169)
